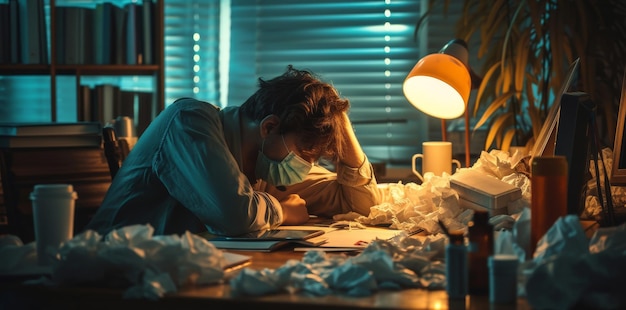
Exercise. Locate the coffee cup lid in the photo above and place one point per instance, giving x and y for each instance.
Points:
(53, 190)
(503, 262)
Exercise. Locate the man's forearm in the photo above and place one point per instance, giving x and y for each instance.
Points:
(353, 155)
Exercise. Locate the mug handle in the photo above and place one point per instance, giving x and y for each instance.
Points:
(458, 165)
(419, 175)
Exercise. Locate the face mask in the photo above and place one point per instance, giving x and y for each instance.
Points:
(291, 170)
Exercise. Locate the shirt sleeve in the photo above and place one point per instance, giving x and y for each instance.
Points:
(197, 168)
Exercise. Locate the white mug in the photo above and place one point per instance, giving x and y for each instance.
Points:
(436, 158)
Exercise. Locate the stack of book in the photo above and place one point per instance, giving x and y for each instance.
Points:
(50, 134)
(45, 153)
(23, 32)
(105, 102)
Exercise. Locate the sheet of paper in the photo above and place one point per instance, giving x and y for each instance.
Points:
(351, 238)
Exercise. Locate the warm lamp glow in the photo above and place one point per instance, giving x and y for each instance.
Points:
(439, 85)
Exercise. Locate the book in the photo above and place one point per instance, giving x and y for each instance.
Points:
(29, 31)
(134, 32)
(103, 17)
(308, 237)
(127, 106)
(147, 28)
(5, 33)
(71, 34)
(49, 129)
(107, 102)
(85, 104)
(16, 46)
(50, 141)
(118, 36)
(43, 37)
(61, 34)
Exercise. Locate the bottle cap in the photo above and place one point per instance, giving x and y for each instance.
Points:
(480, 216)
(456, 237)
(549, 165)
(503, 263)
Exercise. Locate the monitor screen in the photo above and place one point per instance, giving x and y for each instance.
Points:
(618, 171)
(544, 144)
(575, 140)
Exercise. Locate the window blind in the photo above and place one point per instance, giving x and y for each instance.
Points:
(365, 48)
(216, 49)
(191, 29)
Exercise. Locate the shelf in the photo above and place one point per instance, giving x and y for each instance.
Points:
(55, 69)
(15, 69)
(11, 69)
(107, 69)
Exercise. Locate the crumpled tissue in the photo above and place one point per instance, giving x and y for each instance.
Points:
(593, 207)
(398, 263)
(570, 271)
(132, 258)
(413, 206)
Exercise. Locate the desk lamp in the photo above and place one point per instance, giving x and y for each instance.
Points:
(439, 85)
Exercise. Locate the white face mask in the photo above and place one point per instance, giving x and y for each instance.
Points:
(291, 170)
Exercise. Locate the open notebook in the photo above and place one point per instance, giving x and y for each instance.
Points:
(268, 241)
(351, 238)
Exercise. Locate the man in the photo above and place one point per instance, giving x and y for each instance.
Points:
(240, 169)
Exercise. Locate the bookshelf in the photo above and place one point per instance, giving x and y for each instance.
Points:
(84, 167)
(55, 65)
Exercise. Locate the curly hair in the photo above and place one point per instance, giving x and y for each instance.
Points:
(306, 106)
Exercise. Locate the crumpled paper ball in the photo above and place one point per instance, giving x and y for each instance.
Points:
(131, 258)
(569, 271)
(593, 207)
(401, 262)
(413, 206)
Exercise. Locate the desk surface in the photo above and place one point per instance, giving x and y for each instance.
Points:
(219, 296)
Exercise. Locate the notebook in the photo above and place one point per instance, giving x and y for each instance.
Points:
(267, 241)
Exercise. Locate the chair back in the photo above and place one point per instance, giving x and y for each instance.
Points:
(115, 150)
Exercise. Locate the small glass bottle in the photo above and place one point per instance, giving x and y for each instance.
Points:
(480, 235)
(548, 195)
(456, 265)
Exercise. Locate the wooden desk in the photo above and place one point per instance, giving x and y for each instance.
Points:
(220, 296)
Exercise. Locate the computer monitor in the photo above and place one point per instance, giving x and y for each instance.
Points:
(544, 144)
(618, 171)
(576, 141)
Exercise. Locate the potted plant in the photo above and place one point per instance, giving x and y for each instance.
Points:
(525, 48)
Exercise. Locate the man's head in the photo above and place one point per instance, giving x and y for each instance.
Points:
(305, 106)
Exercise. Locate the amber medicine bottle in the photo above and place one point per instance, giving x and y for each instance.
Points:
(480, 236)
(548, 195)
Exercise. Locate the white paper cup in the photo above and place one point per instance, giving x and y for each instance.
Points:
(503, 278)
(53, 216)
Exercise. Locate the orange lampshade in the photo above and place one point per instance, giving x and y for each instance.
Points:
(439, 85)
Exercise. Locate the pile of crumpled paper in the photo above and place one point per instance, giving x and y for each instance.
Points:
(146, 266)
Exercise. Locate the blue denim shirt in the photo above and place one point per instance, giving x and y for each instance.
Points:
(184, 174)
